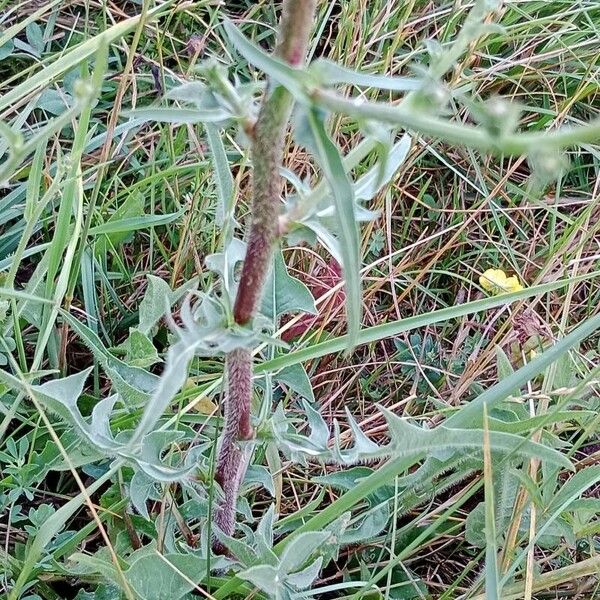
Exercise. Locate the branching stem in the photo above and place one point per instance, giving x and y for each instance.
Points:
(466, 135)
(268, 140)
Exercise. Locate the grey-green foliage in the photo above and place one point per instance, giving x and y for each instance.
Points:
(156, 576)
(285, 294)
(329, 158)
(138, 350)
(157, 298)
(60, 396)
(133, 383)
(406, 440)
(281, 577)
(296, 568)
(148, 573)
(328, 213)
(506, 485)
(557, 516)
(206, 330)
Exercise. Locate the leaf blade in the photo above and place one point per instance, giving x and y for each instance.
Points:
(330, 161)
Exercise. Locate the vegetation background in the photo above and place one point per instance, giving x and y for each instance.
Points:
(450, 213)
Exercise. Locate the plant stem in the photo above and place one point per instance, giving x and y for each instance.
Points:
(230, 463)
(268, 138)
(267, 156)
(465, 135)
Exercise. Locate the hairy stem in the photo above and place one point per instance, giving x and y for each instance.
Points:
(267, 156)
(230, 463)
(268, 138)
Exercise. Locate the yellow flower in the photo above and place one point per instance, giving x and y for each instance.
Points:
(513, 284)
(204, 405)
(496, 282)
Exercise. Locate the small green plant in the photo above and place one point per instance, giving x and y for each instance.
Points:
(128, 437)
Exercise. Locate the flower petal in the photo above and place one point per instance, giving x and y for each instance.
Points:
(493, 280)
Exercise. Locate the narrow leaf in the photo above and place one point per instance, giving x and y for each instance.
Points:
(178, 116)
(300, 550)
(492, 587)
(394, 328)
(222, 174)
(329, 158)
(287, 76)
(331, 73)
(135, 223)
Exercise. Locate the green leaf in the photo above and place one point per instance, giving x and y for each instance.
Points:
(222, 175)
(134, 223)
(369, 184)
(328, 157)
(492, 587)
(143, 449)
(388, 471)
(301, 549)
(394, 328)
(296, 378)
(60, 397)
(503, 366)
(132, 207)
(285, 294)
(408, 438)
(261, 475)
(317, 229)
(154, 304)
(99, 563)
(170, 382)
(192, 92)
(35, 37)
(141, 489)
(319, 432)
(138, 349)
(240, 550)
(344, 480)
(224, 264)
(157, 577)
(565, 372)
(77, 54)
(178, 116)
(138, 379)
(525, 425)
(48, 530)
(102, 592)
(264, 530)
(149, 457)
(264, 577)
(573, 488)
(301, 580)
(373, 523)
(54, 102)
(6, 50)
(157, 299)
(290, 78)
(472, 413)
(330, 73)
